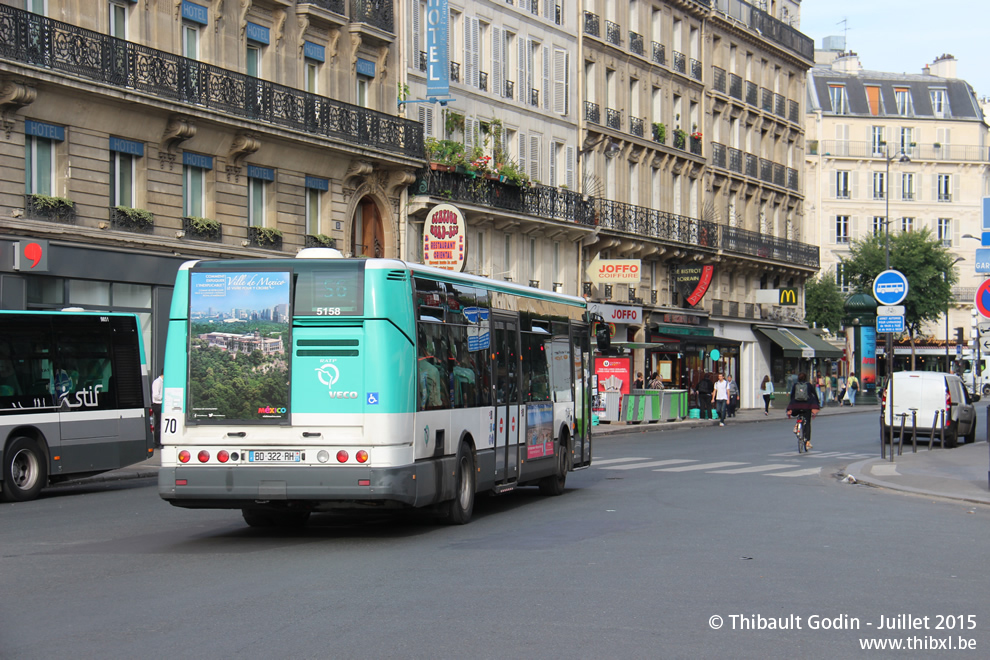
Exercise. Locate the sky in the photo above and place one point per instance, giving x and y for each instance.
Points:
(901, 36)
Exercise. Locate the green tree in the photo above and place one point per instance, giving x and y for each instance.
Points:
(823, 302)
(925, 262)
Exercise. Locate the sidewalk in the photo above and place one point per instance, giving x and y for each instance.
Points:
(959, 474)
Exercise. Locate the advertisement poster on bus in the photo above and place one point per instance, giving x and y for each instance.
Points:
(539, 430)
(238, 332)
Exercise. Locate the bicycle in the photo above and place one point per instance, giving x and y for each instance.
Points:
(804, 445)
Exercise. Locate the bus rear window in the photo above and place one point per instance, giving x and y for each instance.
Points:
(330, 290)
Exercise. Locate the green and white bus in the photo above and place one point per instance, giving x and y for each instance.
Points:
(316, 383)
(73, 397)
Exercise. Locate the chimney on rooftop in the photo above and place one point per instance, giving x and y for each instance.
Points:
(847, 63)
(944, 66)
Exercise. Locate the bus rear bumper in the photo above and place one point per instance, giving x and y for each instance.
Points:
(214, 487)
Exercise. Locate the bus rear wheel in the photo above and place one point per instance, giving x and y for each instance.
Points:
(554, 484)
(24, 470)
(283, 519)
(460, 508)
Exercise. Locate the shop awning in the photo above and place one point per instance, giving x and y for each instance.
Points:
(823, 349)
(792, 345)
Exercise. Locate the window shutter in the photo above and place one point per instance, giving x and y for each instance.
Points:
(832, 228)
(416, 29)
(832, 180)
(470, 131)
(534, 157)
(853, 228)
(559, 81)
(531, 48)
(934, 188)
(896, 188)
(426, 119)
(524, 5)
(553, 165)
(522, 93)
(854, 185)
(955, 189)
(569, 151)
(548, 9)
(547, 88)
(522, 147)
(498, 42)
(955, 232)
(471, 39)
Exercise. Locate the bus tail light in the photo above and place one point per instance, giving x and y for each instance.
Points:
(223, 456)
(364, 482)
(184, 456)
(361, 456)
(342, 456)
(203, 456)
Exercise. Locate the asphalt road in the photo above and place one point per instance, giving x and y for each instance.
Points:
(628, 563)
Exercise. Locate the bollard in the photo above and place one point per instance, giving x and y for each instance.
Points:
(942, 432)
(931, 436)
(883, 439)
(914, 430)
(900, 439)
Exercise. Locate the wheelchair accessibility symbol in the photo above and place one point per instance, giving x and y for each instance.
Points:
(372, 398)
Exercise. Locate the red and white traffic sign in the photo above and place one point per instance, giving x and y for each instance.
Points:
(983, 299)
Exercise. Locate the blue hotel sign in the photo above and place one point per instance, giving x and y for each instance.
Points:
(195, 13)
(314, 51)
(365, 67)
(42, 130)
(317, 183)
(437, 56)
(197, 160)
(257, 33)
(263, 173)
(132, 147)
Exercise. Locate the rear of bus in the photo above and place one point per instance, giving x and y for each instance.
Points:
(290, 388)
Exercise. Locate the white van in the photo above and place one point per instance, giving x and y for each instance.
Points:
(929, 392)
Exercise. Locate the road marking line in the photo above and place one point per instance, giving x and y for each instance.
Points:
(703, 466)
(755, 468)
(646, 465)
(607, 461)
(795, 473)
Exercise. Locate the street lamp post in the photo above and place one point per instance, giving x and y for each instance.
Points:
(889, 339)
(948, 362)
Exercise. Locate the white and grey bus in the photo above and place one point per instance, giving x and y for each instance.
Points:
(74, 398)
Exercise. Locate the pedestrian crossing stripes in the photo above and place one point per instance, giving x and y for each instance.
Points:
(644, 465)
(610, 461)
(825, 454)
(755, 468)
(792, 469)
(702, 466)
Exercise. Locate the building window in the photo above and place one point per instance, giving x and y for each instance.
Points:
(940, 103)
(945, 231)
(256, 202)
(840, 278)
(907, 186)
(907, 140)
(556, 261)
(877, 140)
(907, 224)
(840, 102)
(878, 225)
(118, 20)
(362, 91)
(312, 77)
(842, 184)
(190, 41)
(479, 254)
(842, 229)
(507, 257)
(39, 166)
(121, 179)
(879, 185)
(254, 61)
(36, 7)
(313, 198)
(945, 187)
(193, 191)
(902, 96)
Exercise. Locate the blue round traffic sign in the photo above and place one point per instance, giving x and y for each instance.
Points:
(983, 299)
(890, 287)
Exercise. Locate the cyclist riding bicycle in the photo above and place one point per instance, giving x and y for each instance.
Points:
(805, 404)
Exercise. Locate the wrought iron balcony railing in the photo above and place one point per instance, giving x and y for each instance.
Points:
(780, 106)
(659, 53)
(542, 202)
(636, 43)
(735, 160)
(864, 149)
(592, 112)
(377, 13)
(483, 81)
(613, 119)
(694, 145)
(767, 100)
(752, 166)
(455, 72)
(336, 6)
(422, 60)
(718, 155)
(766, 170)
(779, 175)
(613, 33)
(32, 39)
(534, 97)
(636, 126)
(752, 94)
(743, 241)
(510, 89)
(718, 79)
(592, 24)
(696, 69)
(735, 86)
(680, 139)
(792, 179)
(652, 223)
(534, 7)
(793, 112)
(658, 136)
(680, 62)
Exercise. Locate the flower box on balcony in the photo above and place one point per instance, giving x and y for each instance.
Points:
(126, 218)
(320, 240)
(202, 229)
(265, 237)
(46, 207)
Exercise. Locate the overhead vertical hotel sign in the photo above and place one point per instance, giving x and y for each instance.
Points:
(437, 55)
(443, 238)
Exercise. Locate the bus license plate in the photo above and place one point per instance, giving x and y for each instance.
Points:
(284, 456)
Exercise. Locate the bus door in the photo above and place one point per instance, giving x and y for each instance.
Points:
(505, 347)
(581, 395)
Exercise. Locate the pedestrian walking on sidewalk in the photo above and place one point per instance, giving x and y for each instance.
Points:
(852, 388)
(733, 396)
(720, 397)
(767, 388)
(704, 390)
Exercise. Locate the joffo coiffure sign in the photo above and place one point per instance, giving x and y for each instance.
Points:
(444, 239)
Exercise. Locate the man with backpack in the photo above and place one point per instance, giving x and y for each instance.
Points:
(804, 403)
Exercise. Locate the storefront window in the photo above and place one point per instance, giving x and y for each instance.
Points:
(45, 291)
(131, 295)
(86, 292)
